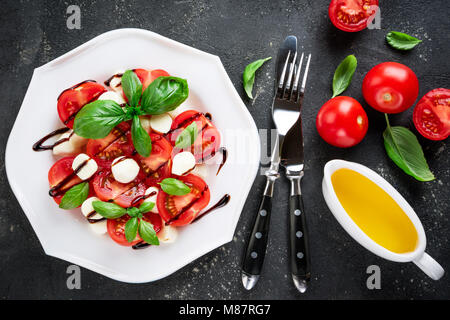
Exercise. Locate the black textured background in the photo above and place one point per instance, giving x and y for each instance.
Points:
(34, 32)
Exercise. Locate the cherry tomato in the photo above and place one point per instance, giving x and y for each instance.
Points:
(208, 138)
(58, 172)
(116, 228)
(432, 114)
(181, 210)
(390, 87)
(352, 15)
(71, 100)
(342, 122)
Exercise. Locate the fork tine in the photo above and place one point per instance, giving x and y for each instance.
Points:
(297, 76)
(283, 73)
(291, 72)
(305, 76)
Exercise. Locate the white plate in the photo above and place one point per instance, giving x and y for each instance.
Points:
(66, 235)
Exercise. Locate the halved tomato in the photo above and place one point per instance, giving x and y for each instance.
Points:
(352, 15)
(116, 228)
(107, 188)
(71, 100)
(182, 210)
(116, 144)
(432, 114)
(57, 173)
(147, 76)
(158, 165)
(208, 139)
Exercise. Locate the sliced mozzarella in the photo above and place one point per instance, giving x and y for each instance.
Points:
(145, 123)
(152, 198)
(124, 169)
(182, 163)
(115, 82)
(168, 234)
(200, 170)
(88, 169)
(161, 123)
(70, 147)
(99, 227)
(112, 95)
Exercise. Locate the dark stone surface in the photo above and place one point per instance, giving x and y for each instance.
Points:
(34, 32)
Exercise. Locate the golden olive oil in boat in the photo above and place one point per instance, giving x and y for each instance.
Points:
(374, 211)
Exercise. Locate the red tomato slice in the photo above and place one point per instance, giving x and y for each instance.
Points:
(147, 76)
(71, 100)
(432, 114)
(107, 188)
(182, 210)
(116, 228)
(208, 139)
(118, 143)
(352, 15)
(60, 171)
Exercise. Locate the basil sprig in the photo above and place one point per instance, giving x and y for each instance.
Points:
(174, 187)
(187, 137)
(402, 41)
(135, 224)
(75, 196)
(404, 149)
(96, 119)
(248, 77)
(344, 74)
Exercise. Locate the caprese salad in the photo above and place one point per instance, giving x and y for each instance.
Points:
(130, 159)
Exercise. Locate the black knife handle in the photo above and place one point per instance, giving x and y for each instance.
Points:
(257, 242)
(299, 248)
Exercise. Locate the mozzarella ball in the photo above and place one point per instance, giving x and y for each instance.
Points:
(89, 168)
(182, 163)
(70, 147)
(116, 82)
(168, 234)
(124, 169)
(145, 123)
(161, 123)
(152, 198)
(111, 95)
(98, 227)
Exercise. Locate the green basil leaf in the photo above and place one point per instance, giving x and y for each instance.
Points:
(133, 211)
(147, 232)
(75, 196)
(344, 74)
(141, 139)
(248, 77)
(164, 94)
(96, 119)
(402, 41)
(131, 228)
(146, 206)
(108, 210)
(132, 87)
(187, 137)
(174, 187)
(404, 149)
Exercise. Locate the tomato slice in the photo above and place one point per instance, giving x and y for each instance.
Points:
(432, 114)
(116, 228)
(116, 144)
(147, 76)
(352, 15)
(71, 100)
(182, 210)
(60, 170)
(107, 188)
(158, 165)
(208, 139)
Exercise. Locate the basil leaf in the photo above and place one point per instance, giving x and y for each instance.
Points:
(133, 211)
(108, 210)
(404, 149)
(147, 232)
(75, 196)
(146, 206)
(174, 187)
(132, 87)
(96, 119)
(248, 77)
(131, 228)
(344, 74)
(164, 94)
(141, 139)
(187, 137)
(402, 41)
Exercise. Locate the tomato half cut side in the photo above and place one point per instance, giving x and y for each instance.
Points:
(352, 15)
(148, 76)
(71, 100)
(60, 170)
(116, 228)
(432, 114)
(182, 210)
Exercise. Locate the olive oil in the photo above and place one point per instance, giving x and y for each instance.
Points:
(374, 211)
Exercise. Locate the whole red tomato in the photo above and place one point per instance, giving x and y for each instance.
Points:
(352, 15)
(390, 87)
(342, 122)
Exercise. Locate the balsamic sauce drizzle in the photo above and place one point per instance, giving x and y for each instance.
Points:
(56, 190)
(140, 245)
(221, 203)
(39, 145)
(91, 220)
(143, 197)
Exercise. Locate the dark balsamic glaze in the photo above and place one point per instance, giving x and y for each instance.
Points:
(140, 245)
(91, 220)
(108, 81)
(221, 203)
(186, 208)
(208, 116)
(38, 146)
(56, 190)
(143, 197)
(224, 152)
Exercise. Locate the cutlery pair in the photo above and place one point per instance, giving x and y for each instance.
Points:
(288, 151)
